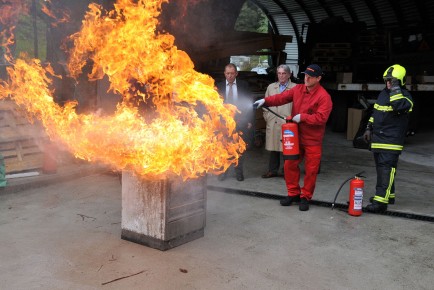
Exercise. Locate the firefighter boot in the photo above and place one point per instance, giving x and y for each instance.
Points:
(391, 200)
(376, 207)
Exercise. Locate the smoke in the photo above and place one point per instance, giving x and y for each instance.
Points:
(10, 10)
(201, 24)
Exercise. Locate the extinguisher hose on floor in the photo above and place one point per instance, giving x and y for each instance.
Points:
(348, 179)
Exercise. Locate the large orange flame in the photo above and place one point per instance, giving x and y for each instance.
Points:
(191, 131)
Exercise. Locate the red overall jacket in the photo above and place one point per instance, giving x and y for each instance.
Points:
(314, 108)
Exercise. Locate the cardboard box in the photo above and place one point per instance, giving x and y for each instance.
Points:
(344, 77)
(353, 123)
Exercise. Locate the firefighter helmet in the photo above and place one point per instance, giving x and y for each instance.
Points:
(395, 71)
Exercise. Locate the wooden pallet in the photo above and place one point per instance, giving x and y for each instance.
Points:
(20, 141)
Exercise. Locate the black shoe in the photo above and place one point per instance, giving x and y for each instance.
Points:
(304, 204)
(289, 199)
(269, 175)
(240, 177)
(391, 200)
(376, 207)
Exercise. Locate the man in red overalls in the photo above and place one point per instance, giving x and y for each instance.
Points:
(311, 109)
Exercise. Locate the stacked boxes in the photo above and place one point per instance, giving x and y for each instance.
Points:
(344, 77)
(353, 124)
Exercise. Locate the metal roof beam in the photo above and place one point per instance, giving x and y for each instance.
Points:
(351, 12)
(423, 11)
(398, 12)
(305, 10)
(327, 9)
(375, 15)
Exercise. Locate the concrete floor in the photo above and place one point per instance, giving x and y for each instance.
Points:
(66, 235)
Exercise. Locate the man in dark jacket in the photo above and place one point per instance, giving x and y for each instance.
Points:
(386, 130)
(237, 93)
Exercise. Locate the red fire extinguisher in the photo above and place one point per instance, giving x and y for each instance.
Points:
(355, 203)
(356, 196)
(290, 143)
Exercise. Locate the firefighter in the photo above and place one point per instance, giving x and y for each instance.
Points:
(386, 130)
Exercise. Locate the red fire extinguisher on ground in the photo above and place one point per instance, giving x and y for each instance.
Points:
(290, 143)
(356, 196)
(355, 204)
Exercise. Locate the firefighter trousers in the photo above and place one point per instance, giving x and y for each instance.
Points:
(386, 164)
(312, 160)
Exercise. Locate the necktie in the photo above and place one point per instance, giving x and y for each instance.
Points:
(230, 95)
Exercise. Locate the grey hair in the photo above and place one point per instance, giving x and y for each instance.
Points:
(285, 68)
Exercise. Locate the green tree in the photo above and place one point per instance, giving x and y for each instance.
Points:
(25, 37)
(252, 19)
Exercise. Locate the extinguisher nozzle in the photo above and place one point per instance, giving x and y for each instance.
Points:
(359, 175)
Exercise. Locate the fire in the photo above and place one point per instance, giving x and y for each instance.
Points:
(57, 15)
(185, 128)
(10, 11)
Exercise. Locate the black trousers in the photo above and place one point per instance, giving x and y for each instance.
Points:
(386, 164)
(274, 163)
(239, 168)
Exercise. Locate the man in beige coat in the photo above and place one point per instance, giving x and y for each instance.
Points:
(274, 124)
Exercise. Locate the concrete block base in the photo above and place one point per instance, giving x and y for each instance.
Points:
(162, 214)
(160, 244)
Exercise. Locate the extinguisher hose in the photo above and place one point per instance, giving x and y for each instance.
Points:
(348, 179)
(339, 190)
(271, 111)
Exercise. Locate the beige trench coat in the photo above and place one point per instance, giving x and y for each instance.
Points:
(274, 124)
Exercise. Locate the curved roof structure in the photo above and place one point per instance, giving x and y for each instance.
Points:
(292, 17)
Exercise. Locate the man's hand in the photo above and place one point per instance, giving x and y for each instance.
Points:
(367, 136)
(296, 118)
(395, 88)
(258, 103)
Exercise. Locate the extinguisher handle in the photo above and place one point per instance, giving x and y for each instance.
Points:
(359, 175)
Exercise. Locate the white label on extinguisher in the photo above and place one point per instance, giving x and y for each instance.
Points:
(287, 135)
(358, 198)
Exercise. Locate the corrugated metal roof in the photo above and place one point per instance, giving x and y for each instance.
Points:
(289, 16)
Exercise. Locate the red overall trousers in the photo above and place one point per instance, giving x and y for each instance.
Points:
(312, 160)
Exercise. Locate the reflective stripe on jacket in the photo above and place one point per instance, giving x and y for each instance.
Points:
(389, 121)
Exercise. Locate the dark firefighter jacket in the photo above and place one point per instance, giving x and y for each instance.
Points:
(389, 121)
